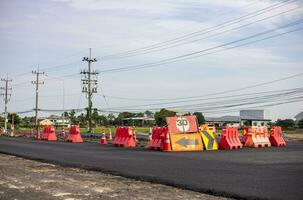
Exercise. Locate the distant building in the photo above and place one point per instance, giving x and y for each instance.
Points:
(225, 120)
(253, 117)
(247, 117)
(299, 116)
(58, 121)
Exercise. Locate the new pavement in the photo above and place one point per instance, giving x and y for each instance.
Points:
(264, 173)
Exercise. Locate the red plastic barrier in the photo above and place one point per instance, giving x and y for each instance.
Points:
(230, 138)
(124, 137)
(158, 138)
(74, 135)
(275, 137)
(49, 133)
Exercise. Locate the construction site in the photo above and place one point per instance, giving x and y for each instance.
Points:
(151, 100)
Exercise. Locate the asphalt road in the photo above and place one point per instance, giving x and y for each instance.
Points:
(264, 173)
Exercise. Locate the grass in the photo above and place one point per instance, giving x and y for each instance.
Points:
(296, 131)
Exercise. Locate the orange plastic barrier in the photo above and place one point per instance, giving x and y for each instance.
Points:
(276, 138)
(230, 138)
(49, 133)
(257, 137)
(124, 137)
(74, 135)
(245, 134)
(158, 138)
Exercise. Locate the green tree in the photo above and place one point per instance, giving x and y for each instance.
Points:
(300, 123)
(149, 113)
(17, 119)
(27, 122)
(160, 116)
(95, 117)
(72, 116)
(285, 123)
(119, 120)
(200, 117)
(111, 119)
(82, 120)
(103, 120)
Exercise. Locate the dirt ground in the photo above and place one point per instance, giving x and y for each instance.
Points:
(27, 179)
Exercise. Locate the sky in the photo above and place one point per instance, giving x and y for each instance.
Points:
(56, 34)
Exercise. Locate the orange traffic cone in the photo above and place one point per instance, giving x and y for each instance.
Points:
(150, 135)
(38, 134)
(135, 136)
(167, 146)
(110, 135)
(103, 138)
(63, 132)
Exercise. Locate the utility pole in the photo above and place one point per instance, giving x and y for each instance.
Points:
(89, 81)
(13, 124)
(6, 94)
(37, 83)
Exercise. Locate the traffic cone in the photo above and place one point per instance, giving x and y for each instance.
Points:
(38, 134)
(63, 132)
(135, 136)
(167, 143)
(150, 135)
(103, 138)
(110, 135)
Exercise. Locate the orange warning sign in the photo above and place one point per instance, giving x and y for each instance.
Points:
(186, 142)
(182, 124)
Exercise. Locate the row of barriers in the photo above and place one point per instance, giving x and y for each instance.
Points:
(183, 134)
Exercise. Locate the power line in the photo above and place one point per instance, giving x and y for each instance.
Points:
(202, 97)
(198, 53)
(207, 30)
(284, 94)
(164, 47)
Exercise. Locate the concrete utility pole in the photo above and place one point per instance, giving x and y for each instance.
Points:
(13, 124)
(37, 83)
(90, 82)
(6, 94)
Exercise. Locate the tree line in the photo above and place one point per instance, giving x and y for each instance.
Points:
(119, 119)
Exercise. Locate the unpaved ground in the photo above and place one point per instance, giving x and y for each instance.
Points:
(27, 179)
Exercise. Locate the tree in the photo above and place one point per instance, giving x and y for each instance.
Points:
(149, 113)
(82, 119)
(111, 119)
(103, 120)
(300, 123)
(121, 116)
(95, 116)
(17, 119)
(200, 117)
(27, 122)
(285, 123)
(160, 116)
(72, 116)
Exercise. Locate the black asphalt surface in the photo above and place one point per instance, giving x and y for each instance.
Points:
(263, 173)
